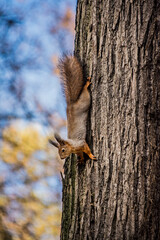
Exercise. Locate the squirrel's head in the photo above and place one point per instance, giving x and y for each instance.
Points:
(64, 148)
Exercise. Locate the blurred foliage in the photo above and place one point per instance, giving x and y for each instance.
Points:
(30, 194)
(33, 33)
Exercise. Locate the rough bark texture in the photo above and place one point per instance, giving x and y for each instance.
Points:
(117, 197)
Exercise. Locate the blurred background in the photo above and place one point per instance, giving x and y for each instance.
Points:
(33, 35)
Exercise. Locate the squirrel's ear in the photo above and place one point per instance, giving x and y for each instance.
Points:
(54, 143)
(59, 139)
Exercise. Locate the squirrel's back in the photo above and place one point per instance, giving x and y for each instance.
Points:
(72, 78)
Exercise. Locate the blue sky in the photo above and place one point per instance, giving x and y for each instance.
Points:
(31, 39)
(39, 81)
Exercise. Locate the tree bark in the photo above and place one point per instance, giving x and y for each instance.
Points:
(118, 196)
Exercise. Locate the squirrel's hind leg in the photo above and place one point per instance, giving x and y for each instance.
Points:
(83, 102)
(87, 83)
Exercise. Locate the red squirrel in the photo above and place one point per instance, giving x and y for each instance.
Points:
(78, 103)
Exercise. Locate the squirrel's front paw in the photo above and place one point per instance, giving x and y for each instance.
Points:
(81, 161)
(91, 156)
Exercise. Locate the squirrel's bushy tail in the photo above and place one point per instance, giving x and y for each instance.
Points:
(72, 77)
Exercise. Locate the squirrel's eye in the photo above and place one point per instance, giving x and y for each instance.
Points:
(63, 150)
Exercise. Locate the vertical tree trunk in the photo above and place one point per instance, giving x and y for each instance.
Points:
(117, 197)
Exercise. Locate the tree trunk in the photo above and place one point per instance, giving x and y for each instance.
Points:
(118, 196)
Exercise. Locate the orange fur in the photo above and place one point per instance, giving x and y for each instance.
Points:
(78, 103)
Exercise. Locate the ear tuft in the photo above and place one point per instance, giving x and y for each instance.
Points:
(54, 143)
(59, 139)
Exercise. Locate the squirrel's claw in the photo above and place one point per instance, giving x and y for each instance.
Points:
(91, 156)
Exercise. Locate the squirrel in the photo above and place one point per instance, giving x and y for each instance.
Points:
(78, 103)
